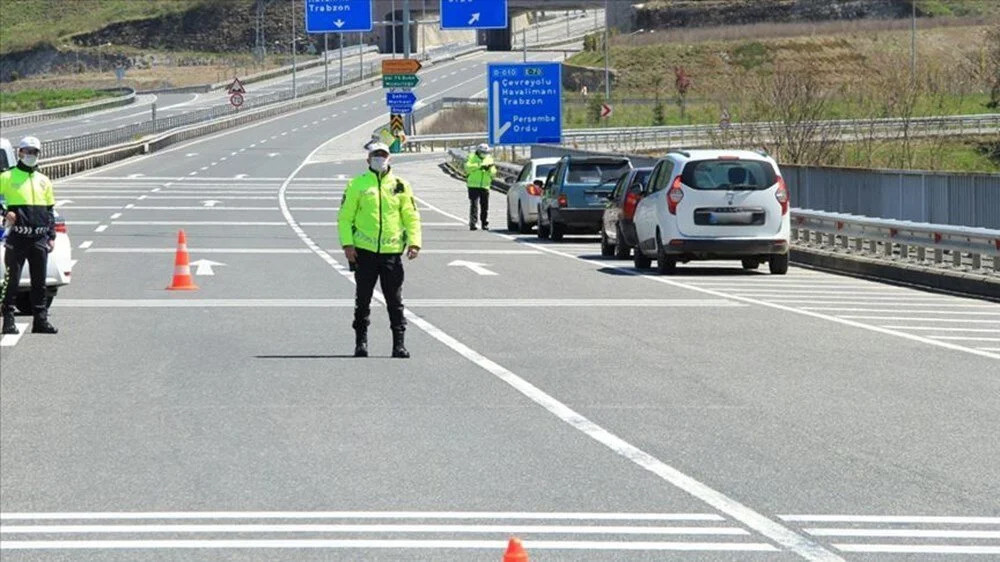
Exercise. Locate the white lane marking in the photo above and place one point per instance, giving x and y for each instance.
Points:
(96, 207)
(203, 223)
(193, 173)
(799, 544)
(897, 311)
(475, 267)
(10, 340)
(130, 176)
(413, 303)
(918, 549)
(200, 250)
(205, 208)
(141, 197)
(777, 306)
(82, 223)
(945, 329)
(865, 301)
(203, 168)
(385, 544)
(101, 228)
(373, 528)
(155, 190)
(436, 515)
(116, 216)
(964, 338)
(918, 519)
(917, 319)
(86, 244)
(190, 154)
(990, 348)
(905, 533)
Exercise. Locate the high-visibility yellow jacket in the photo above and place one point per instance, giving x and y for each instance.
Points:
(28, 194)
(379, 214)
(479, 171)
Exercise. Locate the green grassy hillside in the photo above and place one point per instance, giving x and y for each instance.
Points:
(27, 23)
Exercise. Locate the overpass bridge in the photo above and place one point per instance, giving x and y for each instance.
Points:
(425, 17)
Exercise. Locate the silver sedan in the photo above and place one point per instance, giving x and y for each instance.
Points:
(524, 196)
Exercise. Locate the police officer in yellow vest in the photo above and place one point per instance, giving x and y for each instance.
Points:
(378, 221)
(479, 170)
(27, 194)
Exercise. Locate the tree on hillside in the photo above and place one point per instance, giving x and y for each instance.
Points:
(992, 65)
(682, 83)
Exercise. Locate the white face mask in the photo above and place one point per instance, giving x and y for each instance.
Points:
(379, 163)
(30, 160)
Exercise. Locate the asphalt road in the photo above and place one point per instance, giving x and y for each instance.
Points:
(597, 413)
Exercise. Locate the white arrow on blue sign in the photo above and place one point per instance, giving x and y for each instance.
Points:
(338, 16)
(524, 103)
(473, 14)
(400, 98)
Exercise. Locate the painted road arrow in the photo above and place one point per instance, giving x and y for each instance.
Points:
(400, 66)
(477, 268)
(210, 203)
(62, 202)
(205, 267)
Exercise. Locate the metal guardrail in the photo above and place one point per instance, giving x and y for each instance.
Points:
(960, 248)
(694, 136)
(49, 114)
(955, 248)
(120, 135)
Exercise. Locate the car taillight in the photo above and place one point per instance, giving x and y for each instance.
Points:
(674, 195)
(533, 189)
(631, 202)
(782, 195)
(61, 227)
(563, 202)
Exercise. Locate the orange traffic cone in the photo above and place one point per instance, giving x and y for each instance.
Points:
(182, 267)
(515, 551)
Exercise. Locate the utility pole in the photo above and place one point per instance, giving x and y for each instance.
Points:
(607, 54)
(326, 60)
(913, 41)
(406, 29)
(524, 42)
(295, 91)
(341, 37)
(361, 52)
(393, 28)
(568, 34)
(423, 28)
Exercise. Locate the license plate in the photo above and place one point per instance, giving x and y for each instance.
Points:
(723, 216)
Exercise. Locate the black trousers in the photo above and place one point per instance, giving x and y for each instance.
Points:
(387, 269)
(36, 252)
(479, 198)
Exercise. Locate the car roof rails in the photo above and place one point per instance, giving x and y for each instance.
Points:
(683, 153)
(762, 152)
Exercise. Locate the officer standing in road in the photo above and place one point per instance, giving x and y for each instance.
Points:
(479, 170)
(31, 218)
(378, 221)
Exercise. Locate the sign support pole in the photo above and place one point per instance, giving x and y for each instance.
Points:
(326, 60)
(295, 91)
(341, 37)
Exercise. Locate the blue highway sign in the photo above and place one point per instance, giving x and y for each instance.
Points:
(473, 14)
(338, 16)
(524, 103)
(400, 98)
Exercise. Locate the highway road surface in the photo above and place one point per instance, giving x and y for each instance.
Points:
(596, 413)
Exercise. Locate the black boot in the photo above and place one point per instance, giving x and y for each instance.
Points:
(361, 343)
(42, 326)
(398, 347)
(9, 327)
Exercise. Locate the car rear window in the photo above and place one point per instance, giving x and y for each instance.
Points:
(595, 173)
(542, 171)
(730, 175)
(642, 177)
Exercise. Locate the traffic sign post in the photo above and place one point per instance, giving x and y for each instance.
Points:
(473, 14)
(524, 103)
(338, 16)
(236, 100)
(401, 66)
(605, 110)
(236, 87)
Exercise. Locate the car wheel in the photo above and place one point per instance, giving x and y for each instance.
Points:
(621, 250)
(750, 263)
(778, 264)
(543, 230)
(522, 225)
(511, 226)
(556, 230)
(664, 265)
(607, 248)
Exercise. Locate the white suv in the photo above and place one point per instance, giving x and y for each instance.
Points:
(714, 204)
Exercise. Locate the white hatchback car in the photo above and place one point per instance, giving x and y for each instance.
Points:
(714, 204)
(524, 196)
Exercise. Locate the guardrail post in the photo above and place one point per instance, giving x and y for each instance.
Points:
(938, 255)
(921, 254)
(887, 248)
(859, 245)
(904, 251)
(872, 247)
(977, 261)
(956, 258)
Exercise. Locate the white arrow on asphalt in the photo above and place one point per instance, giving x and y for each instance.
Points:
(190, 154)
(239, 176)
(62, 202)
(498, 130)
(205, 267)
(210, 203)
(339, 23)
(473, 266)
(133, 176)
(474, 18)
(272, 154)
